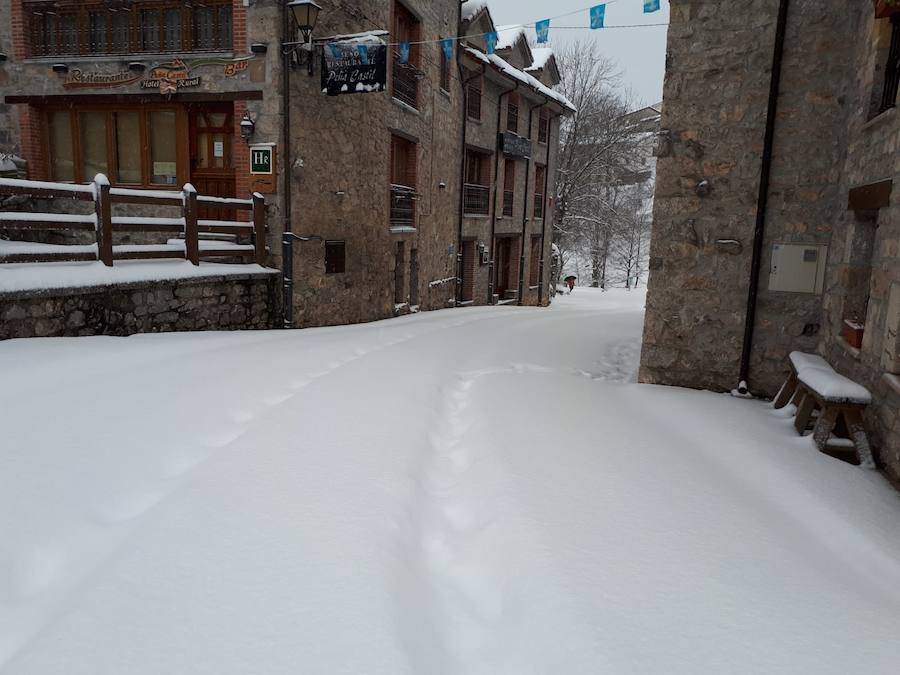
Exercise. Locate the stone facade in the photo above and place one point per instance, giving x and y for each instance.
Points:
(829, 140)
(233, 302)
(340, 150)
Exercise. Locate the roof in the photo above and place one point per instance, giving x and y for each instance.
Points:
(471, 9)
(541, 56)
(523, 77)
(507, 36)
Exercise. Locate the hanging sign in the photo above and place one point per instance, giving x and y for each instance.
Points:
(78, 79)
(348, 69)
(598, 16)
(543, 31)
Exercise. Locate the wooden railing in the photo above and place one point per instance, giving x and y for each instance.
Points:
(105, 225)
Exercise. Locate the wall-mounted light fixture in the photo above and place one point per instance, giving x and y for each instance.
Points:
(3, 57)
(137, 67)
(248, 127)
(305, 15)
(60, 68)
(259, 48)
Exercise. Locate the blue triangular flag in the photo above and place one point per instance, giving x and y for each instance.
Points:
(598, 16)
(447, 46)
(651, 6)
(543, 30)
(404, 52)
(490, 40)
(363, 53)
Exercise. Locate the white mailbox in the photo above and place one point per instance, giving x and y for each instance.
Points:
(798, 268)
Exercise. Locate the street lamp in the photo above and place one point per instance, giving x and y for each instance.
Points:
(306, 14)
(298, 15)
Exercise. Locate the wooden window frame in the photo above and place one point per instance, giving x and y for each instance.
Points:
(36, 13)
(445, 70)
(144, 111)
(474, 96)
(544, 127)
(405, 76)
(540, 175)
(512, 114)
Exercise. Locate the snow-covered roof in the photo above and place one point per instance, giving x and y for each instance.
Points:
(525, 78)
(472, 8)
(507, 36)
(541, 56)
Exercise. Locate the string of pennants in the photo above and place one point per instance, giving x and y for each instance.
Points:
(542, 31)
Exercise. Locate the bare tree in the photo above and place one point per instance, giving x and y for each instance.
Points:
(600, 157)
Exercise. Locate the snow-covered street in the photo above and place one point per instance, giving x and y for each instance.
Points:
(476, 491)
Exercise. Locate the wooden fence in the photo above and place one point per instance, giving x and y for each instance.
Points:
(105, 225)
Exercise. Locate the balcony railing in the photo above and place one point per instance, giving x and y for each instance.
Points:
(476, 199)
(508, 203)
(403, 206)
(406, 84)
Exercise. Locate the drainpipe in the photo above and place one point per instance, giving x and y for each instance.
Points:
(462, 171)
(497, 154)
(287, 241)
(763, 197)
(525, 201)
(545, 209)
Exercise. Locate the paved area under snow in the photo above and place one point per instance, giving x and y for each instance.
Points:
(472, 491)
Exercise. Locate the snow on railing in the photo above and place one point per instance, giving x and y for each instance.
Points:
(104, 224)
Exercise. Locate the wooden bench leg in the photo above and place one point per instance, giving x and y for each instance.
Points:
(857, 432)
(824, 426)
(804, 411)
(786, 393)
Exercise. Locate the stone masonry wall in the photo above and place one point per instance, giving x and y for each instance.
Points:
(244, 302)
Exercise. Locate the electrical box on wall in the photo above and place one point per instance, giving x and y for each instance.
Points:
(798, 268)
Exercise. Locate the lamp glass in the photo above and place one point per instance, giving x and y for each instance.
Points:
(306, 13)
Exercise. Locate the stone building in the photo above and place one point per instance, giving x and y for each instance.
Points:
(829, 227)
(156, 95)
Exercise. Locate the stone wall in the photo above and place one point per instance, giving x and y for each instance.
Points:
(829, 139)
(233, 302)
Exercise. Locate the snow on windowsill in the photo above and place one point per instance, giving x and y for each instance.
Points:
(847, 347)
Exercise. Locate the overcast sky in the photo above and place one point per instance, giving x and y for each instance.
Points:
(640, 52)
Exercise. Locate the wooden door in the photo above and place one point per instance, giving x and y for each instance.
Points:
(504, 253)
(212, 163)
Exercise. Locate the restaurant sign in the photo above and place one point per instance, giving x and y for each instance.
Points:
(79, 79)
(354, 68)
(514, 145)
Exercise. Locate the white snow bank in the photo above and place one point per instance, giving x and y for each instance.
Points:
(481, 490)
(43, 276)
(834, 387)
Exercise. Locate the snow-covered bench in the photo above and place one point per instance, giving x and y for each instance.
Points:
(835, 403)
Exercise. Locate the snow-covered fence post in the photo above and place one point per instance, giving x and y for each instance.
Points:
(191, 232)
(259, 228)
(103, 213)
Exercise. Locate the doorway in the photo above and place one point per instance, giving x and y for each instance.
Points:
(211, 149)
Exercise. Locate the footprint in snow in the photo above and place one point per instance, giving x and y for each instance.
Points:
(26, 574)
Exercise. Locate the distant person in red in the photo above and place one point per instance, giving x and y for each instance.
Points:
(570, 282)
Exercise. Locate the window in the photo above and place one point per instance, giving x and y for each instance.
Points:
(512, 114)
(476, 190)
(405, 81)
(540, 175)
(335, 257)
(543, 126)
(473, 99)
(445, 69)
(403, 182)
(85, 142)
(892, 68)
(509, 187)
(71, 28)
(891, 357)
(534, 267)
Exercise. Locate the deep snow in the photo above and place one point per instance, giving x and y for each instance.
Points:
(481, 490)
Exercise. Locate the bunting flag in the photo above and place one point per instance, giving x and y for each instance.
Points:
(447, 46)
(651, 6)
(404, 52)
(543, 31)
(491, 40)
(335, 51)
(598, 16)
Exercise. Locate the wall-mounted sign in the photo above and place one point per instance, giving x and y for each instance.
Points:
(354, 69)
(263, 177)
(514, 145)
(79, 79)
